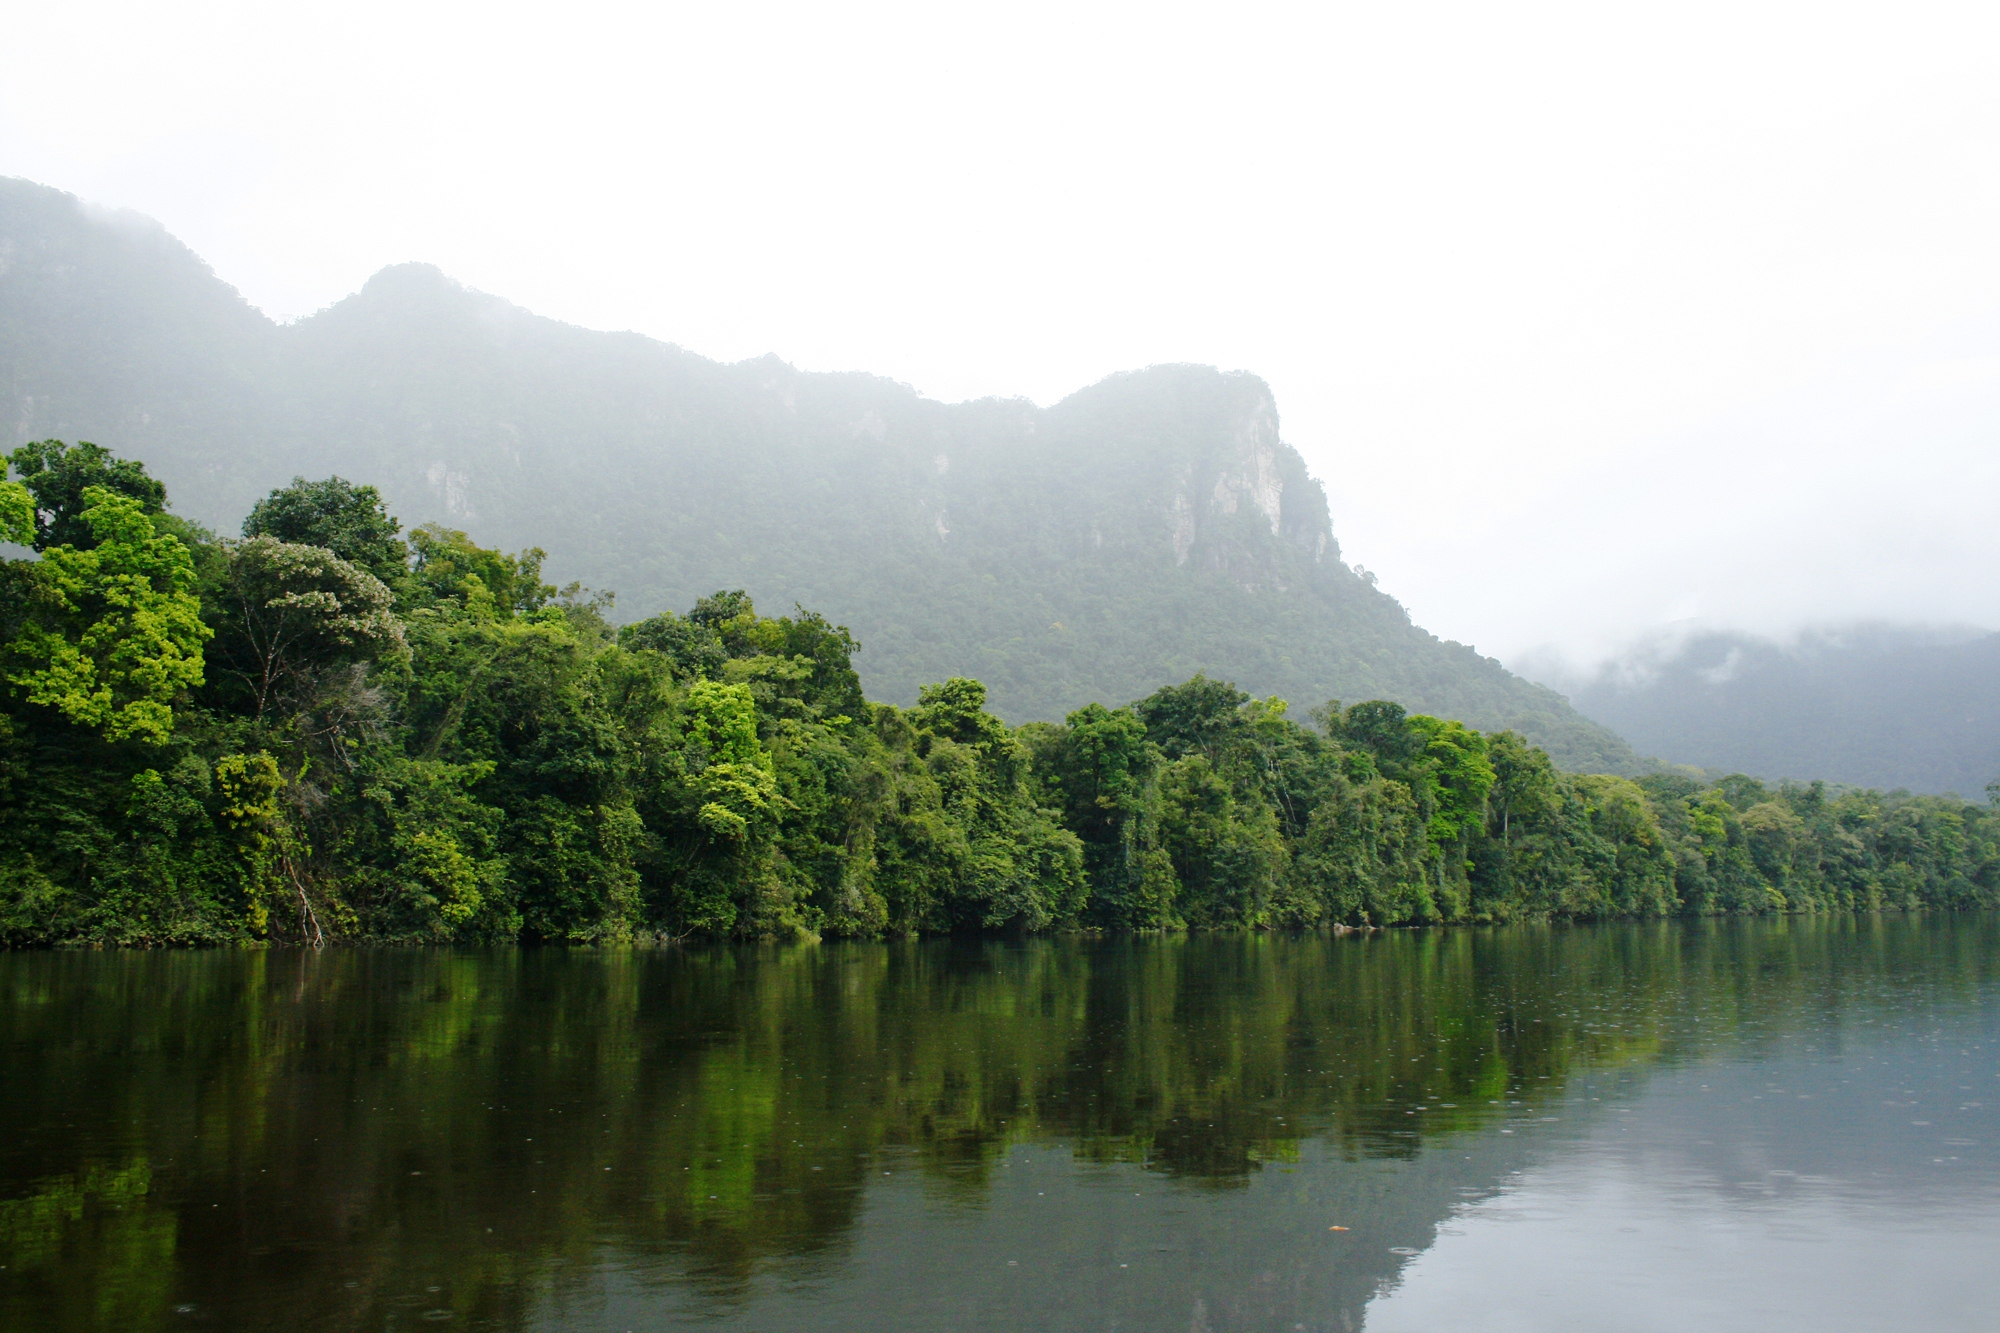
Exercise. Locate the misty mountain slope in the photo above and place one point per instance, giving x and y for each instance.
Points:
(1140, 530)
(112, 329)
(1871, 706)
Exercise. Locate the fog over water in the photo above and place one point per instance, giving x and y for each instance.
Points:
(1592, 321)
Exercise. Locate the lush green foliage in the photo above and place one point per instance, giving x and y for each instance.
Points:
(115, 633)
(337, 515)
(211, 740)
(60, 478)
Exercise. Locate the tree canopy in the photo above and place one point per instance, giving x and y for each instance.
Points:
(59, 476)
(207, 740)
(350, 521)
(118, 634)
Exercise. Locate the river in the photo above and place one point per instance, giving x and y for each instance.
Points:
(1774, 1124)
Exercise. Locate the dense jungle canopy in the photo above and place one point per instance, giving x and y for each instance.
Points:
(327, 729)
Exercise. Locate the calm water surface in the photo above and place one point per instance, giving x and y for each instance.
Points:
(1773, 1125)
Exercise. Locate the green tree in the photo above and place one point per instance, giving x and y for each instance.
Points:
(1460, 774)
(450, 565)
(1102, 772)
(121, 635)
(1363, 858)
(732, 772)
(61, 476)
(293, 611)
(17, 513)
(1382, 729)
(1226, 851)
(956, 709)
(694, 650)
(1524, 784)
(349, 520)
(1202, 716)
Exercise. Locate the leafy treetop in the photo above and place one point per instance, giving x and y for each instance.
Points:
(58, 475)
(349, 520)
(119, 633)
(451, 565)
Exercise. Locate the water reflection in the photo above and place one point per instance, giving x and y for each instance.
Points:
(1849, 1181)
(1057, 1134)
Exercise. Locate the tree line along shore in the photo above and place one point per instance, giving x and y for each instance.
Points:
(326, 729)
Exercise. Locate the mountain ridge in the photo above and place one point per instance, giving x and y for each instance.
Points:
(1867, 705)
(1141, 529)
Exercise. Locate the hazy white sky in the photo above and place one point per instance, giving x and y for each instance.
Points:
(1591, 317)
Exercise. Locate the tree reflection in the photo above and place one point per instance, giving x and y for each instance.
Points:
(320, 1137)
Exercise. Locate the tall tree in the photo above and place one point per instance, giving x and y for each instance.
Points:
(17, 513)
(121, 632)
(450, 564)
(293, 610)
(59, 475)
(350, 521)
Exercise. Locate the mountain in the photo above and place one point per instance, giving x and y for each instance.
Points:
(1873, 706)
(1142, 529)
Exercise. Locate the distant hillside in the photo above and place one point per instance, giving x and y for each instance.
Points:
(1140, 530)
(1871, 706)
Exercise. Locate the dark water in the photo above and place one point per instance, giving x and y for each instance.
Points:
(1774, 1125)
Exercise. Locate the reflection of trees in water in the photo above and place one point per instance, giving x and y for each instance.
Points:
(274, 1126)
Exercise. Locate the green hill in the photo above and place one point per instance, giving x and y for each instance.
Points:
(1142, 529)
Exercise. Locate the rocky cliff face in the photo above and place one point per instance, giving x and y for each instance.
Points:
(1142, 529)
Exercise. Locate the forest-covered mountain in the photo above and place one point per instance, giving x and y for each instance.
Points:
(1141, 530)
(1873, 706)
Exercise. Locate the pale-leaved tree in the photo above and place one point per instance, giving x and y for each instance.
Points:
(298, 613)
